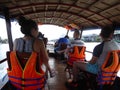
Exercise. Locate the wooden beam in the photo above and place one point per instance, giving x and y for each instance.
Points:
(61, 4)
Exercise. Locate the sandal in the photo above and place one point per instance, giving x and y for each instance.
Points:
(52, 73)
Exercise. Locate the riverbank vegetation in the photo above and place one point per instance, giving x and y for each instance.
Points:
(3, 40)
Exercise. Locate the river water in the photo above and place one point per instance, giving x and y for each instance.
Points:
(3, 66)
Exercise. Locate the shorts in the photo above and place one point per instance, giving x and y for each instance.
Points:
(92, 68)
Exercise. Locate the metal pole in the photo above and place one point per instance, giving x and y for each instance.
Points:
(8, 26)
(81, 33)
(67, 32)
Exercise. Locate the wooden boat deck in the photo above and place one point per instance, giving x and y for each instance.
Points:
(57, 82)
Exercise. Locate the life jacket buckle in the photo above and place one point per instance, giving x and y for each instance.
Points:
(22, 85)
(23, 79)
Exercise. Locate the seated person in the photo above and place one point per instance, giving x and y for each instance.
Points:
(75, 44)
(99, 55)
(22, 71)
(60, 46)
(45, 39)
(75, 51)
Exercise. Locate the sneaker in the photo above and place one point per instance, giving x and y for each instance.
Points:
(72, 84)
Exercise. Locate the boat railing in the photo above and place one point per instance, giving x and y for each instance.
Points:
(1, 61)
(5, 59)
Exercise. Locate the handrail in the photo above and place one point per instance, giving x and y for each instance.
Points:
(88, 51)
(3, 60)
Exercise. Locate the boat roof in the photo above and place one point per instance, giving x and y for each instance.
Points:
(73, 13)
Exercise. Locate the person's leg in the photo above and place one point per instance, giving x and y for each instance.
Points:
(76, 67)
(83, 66)
(62, 56)
(55, 51)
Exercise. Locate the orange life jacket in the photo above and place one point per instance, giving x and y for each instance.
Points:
(109, 68)
(27, 78)
(78, 54)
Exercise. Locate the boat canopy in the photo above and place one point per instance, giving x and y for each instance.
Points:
(79, 14)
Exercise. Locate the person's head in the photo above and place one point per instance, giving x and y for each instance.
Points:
(107, 32)
(27, 26)
(76, 34)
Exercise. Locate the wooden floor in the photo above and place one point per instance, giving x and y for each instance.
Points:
(57, 82)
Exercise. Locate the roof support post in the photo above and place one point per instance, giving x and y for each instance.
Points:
(8, 26)
(81, 33)
(67, 32)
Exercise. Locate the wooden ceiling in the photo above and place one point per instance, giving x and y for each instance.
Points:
(82, 13)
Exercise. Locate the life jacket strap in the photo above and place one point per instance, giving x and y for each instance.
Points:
(26, 79)
(27, 85)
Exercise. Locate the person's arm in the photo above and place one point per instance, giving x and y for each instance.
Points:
(61, 51)
(93, 60)
(96, 53)
(40, 48)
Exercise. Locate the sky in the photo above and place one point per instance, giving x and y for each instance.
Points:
(50, 31)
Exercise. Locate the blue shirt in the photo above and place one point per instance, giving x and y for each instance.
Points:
(63, 40)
